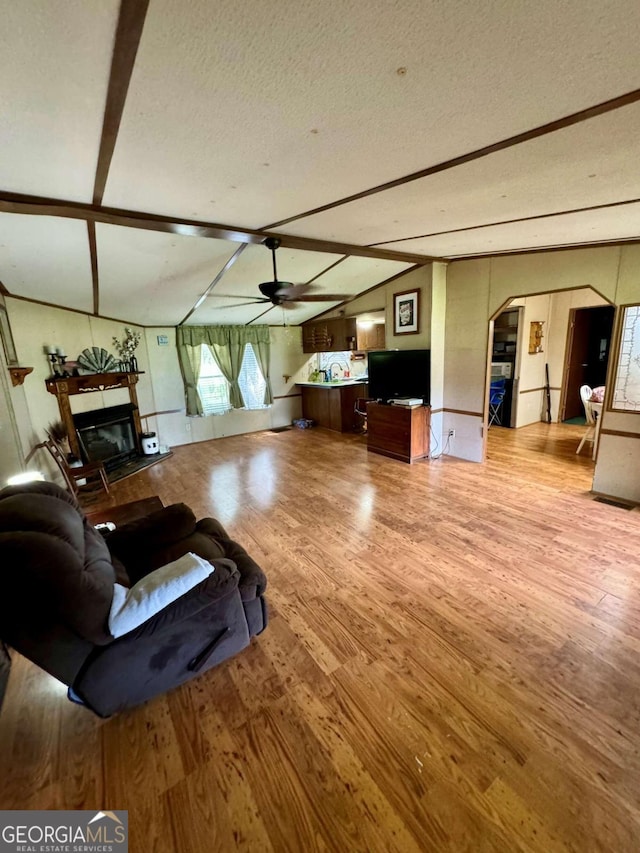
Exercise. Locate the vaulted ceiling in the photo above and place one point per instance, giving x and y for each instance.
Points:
(149, 146)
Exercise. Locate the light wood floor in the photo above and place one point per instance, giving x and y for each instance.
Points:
(452, 663)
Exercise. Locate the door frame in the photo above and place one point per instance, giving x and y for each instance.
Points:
(562, 403)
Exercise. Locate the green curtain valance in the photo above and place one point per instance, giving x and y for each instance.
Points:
(226, 344)
(193, 336)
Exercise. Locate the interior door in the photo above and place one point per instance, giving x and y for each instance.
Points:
(577, 362)
(587, 354)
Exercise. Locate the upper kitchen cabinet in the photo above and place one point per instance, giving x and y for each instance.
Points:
(336, 335)
(371, 337)
(505, 334)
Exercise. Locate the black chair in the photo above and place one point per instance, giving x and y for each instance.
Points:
(360, 408)
(497, 391)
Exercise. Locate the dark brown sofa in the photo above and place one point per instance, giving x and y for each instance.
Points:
(58, 581)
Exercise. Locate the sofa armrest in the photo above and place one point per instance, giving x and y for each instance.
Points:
(253, 581)
(153, 531)
(145, 544)
(196, 632)
(224, 578)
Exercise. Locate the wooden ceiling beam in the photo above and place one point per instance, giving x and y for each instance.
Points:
(36, 206)
(93, 255)
(128, 34)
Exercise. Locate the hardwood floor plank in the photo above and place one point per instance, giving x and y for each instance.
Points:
(141, 755)
(371, 804)
(394, 747)
(214, 806)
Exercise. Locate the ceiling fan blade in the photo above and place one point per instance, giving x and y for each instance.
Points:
(323, 297)
(245, 304)
(292, 291)
(236, 296)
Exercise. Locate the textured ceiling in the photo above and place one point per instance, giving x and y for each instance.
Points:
(55, 65)
(245, 115)
(572, 168)
(45, 258)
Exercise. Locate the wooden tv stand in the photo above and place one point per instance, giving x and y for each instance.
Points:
(399, 432)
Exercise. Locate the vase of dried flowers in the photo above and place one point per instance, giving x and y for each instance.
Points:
(127, 347)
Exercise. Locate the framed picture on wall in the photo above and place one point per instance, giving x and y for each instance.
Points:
(406, 312)
(7, 338)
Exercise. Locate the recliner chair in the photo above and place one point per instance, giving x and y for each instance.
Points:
(59, 575)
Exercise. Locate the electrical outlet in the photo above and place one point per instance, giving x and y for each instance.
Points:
(452, 433)
(187, 427)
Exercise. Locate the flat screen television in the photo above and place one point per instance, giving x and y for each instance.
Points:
(400, 373)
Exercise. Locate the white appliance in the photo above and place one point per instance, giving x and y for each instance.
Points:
(407, 401)
(501, 370)
(149, 443)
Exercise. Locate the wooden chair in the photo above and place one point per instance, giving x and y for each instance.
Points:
(80, 480)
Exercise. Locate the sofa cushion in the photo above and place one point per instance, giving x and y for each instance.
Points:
(142, 550)
(132, 607)
(53, 560)
(153, 531)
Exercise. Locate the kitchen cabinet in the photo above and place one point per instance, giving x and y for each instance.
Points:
(335, 335)
(399, 431)
(333, 406)
(371, 338)
(505, 334)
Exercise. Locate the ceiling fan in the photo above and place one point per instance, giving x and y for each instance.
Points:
(283, 293)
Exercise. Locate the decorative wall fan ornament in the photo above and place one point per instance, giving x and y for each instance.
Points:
(283, 293)
(97, 360)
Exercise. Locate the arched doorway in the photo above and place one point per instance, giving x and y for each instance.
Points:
(552, 317)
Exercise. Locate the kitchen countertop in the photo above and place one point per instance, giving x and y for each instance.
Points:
(335, 383)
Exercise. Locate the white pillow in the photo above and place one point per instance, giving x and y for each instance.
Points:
(132, 607)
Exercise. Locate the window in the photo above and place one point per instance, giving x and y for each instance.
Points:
(251, 381)
(214, 388)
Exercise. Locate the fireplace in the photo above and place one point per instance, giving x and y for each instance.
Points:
(107, 435)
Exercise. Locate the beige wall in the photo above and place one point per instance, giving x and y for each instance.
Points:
(382, 298)
(172, 424)
(541, 272)
(476, 289)
(160, 388)
(437, 336)
(11, 452)
(465, 368)
(530, 372)
(431, 281)
(36, 326)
